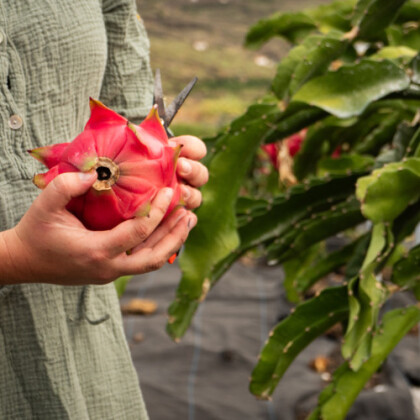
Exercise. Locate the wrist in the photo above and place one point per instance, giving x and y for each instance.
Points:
(13, 266)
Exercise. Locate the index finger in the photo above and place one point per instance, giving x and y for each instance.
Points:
(193, 147)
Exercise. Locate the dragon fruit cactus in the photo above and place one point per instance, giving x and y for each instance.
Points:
(133, 162)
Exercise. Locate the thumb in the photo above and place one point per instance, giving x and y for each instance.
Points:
(64, 187)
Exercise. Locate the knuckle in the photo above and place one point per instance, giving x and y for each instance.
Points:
(97, 257)
(156, 262)
(140, 232)
(192, 221)
(182, 234)
(60, 183)
(160, 211)
(106, 254)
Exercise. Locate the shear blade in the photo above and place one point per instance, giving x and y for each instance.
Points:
(158, 95)
(176, 104)
(168, 115)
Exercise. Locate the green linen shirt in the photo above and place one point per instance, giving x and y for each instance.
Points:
(63, 353)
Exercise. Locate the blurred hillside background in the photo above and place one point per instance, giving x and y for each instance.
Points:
(204, 38)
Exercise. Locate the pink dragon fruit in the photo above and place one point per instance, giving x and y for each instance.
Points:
(293, 144)
(133, 163)
(273, 151)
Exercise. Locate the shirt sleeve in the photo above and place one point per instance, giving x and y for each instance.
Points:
(128, 82)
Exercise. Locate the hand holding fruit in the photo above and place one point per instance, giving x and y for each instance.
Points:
(133, 163)
(115, 178)
(51, 245)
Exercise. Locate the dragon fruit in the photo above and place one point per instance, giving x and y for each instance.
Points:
(133, 162)
(292, 143)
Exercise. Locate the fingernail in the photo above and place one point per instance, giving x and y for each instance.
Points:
(185, 192)
(169, 193)
(185, 166)
(180, 215)
(192, 222)
(86, 176)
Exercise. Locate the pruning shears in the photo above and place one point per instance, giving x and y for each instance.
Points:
(168, 114)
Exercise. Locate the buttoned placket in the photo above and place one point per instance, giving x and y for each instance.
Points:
(13, 105)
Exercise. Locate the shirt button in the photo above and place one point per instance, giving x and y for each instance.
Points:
(15, 122)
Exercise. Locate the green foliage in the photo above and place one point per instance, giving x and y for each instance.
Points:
(352, 81)
(309, 59)
(337, 397)
(371, 17)
(292, 26)
(345, 164)
(314, 229)
(378, 191)
(121, 283)
(281, 220)
(291, 336)
(301, 274)
(217, 227)
(366, 295)
(348, 91)
(415, 69)
(406, 272)
(296, 117)
(296, 26)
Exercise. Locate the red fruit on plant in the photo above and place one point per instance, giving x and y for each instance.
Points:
(292, 143)
(273, 151)
(336, 153)
(133, 162)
